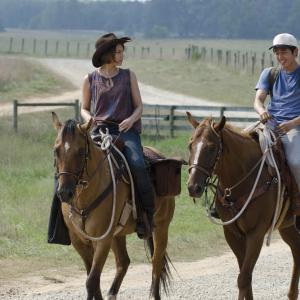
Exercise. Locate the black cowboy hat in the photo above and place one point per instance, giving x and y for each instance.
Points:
(105, 43)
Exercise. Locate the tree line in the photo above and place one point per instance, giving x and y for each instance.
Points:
(158, 18)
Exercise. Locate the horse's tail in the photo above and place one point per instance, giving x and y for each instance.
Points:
(166, 276)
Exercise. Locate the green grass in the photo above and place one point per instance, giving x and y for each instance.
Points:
(21, 78)
(26, 180)
(197, 79)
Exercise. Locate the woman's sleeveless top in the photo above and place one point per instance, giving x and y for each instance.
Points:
(111, 99)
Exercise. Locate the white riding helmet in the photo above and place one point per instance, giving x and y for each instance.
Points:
(284, 39)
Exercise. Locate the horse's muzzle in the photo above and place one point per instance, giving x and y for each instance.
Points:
(65, 194)
(195, 190)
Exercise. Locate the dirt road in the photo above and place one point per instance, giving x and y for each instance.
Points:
(210, 278)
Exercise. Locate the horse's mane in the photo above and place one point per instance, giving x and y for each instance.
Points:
(244, 134)
(252, 135)
(69, 128)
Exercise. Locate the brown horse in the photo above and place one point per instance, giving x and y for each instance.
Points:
(83, 175)
(222, 150)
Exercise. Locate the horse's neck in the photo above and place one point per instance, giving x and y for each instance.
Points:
(97, 174)
(239, 155)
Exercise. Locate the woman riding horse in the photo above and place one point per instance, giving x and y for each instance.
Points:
(93, 196)
(111, 98)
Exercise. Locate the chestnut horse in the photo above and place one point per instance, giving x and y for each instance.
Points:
(83, 175)
(222, 150)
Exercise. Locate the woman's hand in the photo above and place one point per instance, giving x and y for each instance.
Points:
(286, 126)
(126, 124)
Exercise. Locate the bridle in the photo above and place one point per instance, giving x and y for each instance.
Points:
(78, 176)
(204, 170)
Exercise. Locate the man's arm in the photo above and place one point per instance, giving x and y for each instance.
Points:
(259, 105)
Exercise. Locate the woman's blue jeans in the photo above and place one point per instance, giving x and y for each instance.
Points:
(133, 151)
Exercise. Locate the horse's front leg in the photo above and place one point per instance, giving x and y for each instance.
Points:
(254, 242)
(122, 262)
(93, 280)
(292, 238)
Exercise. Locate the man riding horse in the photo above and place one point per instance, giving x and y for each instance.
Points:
(283, 110)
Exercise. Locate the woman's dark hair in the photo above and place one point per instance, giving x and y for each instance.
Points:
(108, 56)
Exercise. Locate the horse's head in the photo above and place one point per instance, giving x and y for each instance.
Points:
(205, 148)
(71, 151)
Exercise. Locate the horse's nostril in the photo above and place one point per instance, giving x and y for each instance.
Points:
(65, 195)
(195, 189)
(198, 188)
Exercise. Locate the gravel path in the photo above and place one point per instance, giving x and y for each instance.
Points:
(210, 278)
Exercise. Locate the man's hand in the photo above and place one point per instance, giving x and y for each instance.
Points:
(126, 124)
(264, 117)
(285, 127)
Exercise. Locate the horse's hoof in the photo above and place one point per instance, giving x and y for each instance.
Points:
(111, 297)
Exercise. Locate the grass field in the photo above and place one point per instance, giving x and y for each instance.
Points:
(197, 79)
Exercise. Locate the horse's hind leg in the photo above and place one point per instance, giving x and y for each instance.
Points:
(122, 262)
(292, 238)
(158, 245)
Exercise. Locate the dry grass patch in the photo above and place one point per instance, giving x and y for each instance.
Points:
(22, 78)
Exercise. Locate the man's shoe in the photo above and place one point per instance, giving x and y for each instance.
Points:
(214, 213)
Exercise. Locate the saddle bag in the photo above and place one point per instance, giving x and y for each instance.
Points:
(166, 177)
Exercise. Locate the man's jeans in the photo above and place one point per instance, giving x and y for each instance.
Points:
(291, 144)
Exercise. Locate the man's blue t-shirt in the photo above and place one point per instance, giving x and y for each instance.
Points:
(285, 102)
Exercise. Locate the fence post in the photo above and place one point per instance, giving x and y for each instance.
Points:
(56, 47)
(78, 49)
(76, 107)
(46, 47)
(34, 46)
(222, 109)
(15, 115)
(172, 108)
(11, 40)
(88, 49)
(22, 45)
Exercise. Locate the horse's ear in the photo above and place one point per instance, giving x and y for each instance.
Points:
(57, 124)
(86, 126)
(193, 121)
(219, 126)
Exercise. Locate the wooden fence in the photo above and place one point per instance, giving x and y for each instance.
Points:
(243, 61)
(169, 119)
(17, 104)
(162, 119)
